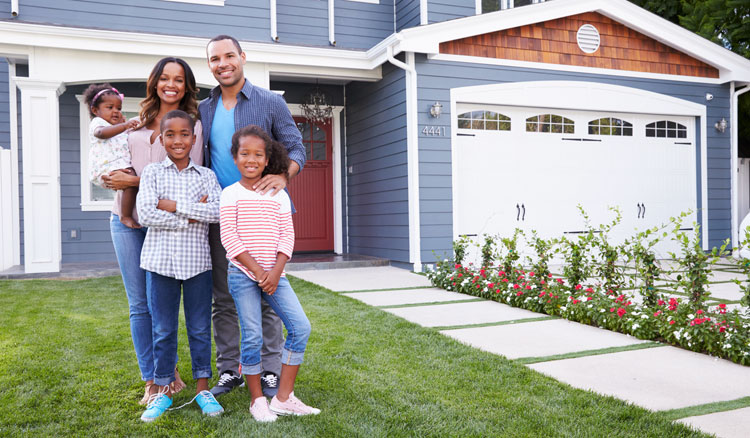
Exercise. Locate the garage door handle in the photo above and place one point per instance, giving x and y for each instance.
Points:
(518, 211)
(466, 135)
(523, 217)
(639, 210)
(644, 211)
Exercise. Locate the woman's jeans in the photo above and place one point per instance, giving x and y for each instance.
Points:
(164, 299)
(284, 302)
(128, 243)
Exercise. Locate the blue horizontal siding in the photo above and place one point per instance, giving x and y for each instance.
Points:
(362, 25)
(407, 14)
(444, 10)
(244, 19)
(377, 195)
(435, 80)
(302, 22)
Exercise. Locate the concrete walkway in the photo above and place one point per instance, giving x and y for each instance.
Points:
(655, 376)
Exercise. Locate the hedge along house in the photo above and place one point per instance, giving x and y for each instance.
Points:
(448, 119)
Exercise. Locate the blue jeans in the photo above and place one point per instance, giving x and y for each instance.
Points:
(164, 299)
(284, 302)
(128, 243)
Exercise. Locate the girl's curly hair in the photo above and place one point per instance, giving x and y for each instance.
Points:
(276, 155)
(92, 92)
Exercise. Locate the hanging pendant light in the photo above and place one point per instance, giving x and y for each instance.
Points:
(316, 107)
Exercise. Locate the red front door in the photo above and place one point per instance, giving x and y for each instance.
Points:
(312, 190)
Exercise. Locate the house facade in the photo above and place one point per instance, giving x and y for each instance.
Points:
(450, 118)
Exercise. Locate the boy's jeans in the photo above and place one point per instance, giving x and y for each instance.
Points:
(247, 298)
(164, 301)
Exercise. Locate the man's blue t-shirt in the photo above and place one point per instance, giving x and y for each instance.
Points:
(222, 162)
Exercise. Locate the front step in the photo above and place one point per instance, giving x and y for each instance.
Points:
(309, 262)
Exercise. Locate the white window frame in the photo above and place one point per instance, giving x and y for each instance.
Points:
(130, 104)
(374, 2)
(504, 4)
(201, 2)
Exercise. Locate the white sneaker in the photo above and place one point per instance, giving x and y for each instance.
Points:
(293, 406)
(260, 411)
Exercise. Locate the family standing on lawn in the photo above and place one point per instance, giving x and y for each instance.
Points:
(217, 236)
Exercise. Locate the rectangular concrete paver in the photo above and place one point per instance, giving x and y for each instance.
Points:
(462, 313)
(542, 338)
(407, 296)
(655, 378)
(381, 277)
(729, 424)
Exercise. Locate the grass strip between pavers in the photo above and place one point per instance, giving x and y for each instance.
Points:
(576, 354)
(492, 324)
(381, 290)
(431, 303)
(708, 408)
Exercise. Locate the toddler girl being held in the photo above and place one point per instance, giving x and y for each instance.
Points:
(109, 142)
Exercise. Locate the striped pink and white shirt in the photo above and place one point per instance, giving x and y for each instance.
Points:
(259, 224)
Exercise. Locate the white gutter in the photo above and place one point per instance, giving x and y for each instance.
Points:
(423, 19)
(737, 235)
(274, 31)
(412, 156)
(14, 8)
(331, 24)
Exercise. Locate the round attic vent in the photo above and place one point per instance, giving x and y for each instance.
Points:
(588, 38)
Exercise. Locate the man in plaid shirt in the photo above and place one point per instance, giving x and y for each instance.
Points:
(176, 201)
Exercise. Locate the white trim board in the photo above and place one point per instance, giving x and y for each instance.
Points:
(566, 95)
(338, 246)
(15, 200)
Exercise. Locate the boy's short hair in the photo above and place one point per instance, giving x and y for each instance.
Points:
(226, 37)
(177, 114)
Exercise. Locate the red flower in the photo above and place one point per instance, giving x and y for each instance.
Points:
(699, 312)
(501, 273)
(560, 280)
(457, 266)
(589, 298)
(722, 329)
(490, 285)
(579, 287)
(549, 275)
(497, 291)
(612, 309)
(542, 282)
(519, 293)
(621, 311)
(589, 290)
(660, 302)
(576, 301)
(460, 275)
(528, 287)
(516, 286)
(531, 274)
(541, 294)
(657, 313)
(671, 322)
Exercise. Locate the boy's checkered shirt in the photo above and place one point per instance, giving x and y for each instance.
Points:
(173, 246)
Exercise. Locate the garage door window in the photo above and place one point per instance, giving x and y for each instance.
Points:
(551, 123)
(484, 120)
(667, 129)
(610, 126)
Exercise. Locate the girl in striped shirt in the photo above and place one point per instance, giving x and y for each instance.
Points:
(257, 232)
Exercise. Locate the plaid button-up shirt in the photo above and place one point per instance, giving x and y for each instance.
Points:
(174, 247)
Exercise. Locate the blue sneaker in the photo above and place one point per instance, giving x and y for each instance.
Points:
(157, 404)
(208, 404)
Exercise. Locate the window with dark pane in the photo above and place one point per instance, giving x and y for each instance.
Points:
(484, 120)
(551, 123)
(666, 129)
(611, 126)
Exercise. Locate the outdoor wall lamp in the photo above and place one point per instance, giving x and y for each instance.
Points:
(721, 125)
(436, 109)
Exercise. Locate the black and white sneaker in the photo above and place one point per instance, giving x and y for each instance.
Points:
(270, 383)
(227, 382)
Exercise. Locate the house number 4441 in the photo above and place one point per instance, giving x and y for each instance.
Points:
(433, 131)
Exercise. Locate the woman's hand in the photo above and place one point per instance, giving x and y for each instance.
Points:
(120, 180)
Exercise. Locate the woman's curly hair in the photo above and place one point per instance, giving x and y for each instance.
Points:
(276, 155)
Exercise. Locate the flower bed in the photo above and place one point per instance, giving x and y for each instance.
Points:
(713, 329)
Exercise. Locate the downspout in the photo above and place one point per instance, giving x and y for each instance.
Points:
(412, 156)
(14, 8)
(274, 31)
(423, 19)
(331, 24)
(737, 235)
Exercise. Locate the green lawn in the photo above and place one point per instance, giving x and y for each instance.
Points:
(67, 368)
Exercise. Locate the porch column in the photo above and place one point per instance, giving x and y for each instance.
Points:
(40, 146)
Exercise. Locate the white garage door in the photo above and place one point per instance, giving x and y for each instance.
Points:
(529, 168)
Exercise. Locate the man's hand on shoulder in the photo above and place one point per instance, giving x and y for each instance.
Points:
(274, 183)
